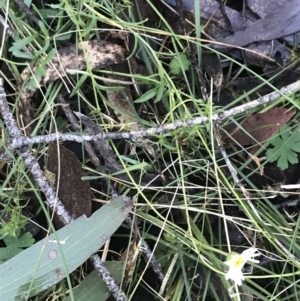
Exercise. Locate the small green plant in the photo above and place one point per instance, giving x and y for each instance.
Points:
(179, 63)
(286, 147)
(15, 245)
(11, 222)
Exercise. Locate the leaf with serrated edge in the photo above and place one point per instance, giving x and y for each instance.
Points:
(286, 147)
(43, 264)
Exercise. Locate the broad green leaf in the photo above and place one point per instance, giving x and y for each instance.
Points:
(18, 45)
(48, 13)
(3, 3)
(46, 39)
(44, 30)
(92, 288)
(49, 56)
(40, 70)
(46, 263)
(91, 25)
(160, 93)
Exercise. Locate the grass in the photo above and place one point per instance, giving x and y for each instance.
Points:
(193, 221)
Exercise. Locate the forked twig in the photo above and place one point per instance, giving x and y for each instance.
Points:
(110, 160)
(51, 198)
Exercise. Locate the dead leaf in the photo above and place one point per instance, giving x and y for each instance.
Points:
(266, 7)
(258, 128)
(283, 21)
(74, 193)
(94, 54)
(215, 27)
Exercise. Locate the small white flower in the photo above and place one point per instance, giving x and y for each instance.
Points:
(236, 263)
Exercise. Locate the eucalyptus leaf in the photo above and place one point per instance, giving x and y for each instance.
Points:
(52, 259)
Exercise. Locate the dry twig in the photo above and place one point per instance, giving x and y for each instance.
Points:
(51, 198)
(17, 142)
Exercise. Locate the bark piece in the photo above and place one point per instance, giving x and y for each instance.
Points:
(74, 193)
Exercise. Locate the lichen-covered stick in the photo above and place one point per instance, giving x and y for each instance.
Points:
(75, 127)
(53, 202)
(17, 142)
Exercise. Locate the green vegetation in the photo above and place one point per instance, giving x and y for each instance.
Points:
(179, 64)
(286, 148)
(12, 223)
(195, 214)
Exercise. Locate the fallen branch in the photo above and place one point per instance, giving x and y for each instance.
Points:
(110, 161)
(51, 198)
(17, 142)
